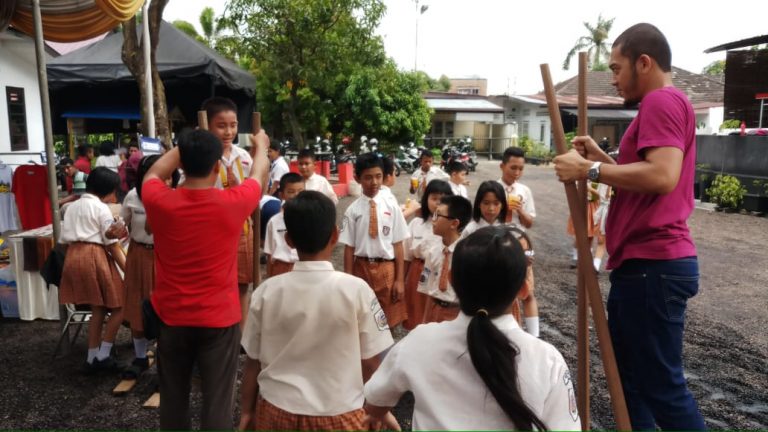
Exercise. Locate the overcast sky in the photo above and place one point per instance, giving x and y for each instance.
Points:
(505, 40)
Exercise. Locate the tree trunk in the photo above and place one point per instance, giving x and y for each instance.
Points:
(133, 58)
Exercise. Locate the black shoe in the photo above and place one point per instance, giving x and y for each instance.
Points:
(137, 367)
(107, 365)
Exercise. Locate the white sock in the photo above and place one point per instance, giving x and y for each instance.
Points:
(597, 262)
(575, 254)
(104, 350)
(140, 347)
(532, 325)
(92, 352)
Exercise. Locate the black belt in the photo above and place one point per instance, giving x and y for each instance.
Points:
(373, 260)
(445, 304)
(144, 245)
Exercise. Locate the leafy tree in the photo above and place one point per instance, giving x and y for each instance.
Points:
(215, 34)
(306, 50)
(386, 103)
(133, 58)
(595, 42)
(717, 67)
(188, 28)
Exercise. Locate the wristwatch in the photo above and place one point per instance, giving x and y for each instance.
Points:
(594, 172)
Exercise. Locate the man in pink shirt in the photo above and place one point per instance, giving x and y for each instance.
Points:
(652, 255)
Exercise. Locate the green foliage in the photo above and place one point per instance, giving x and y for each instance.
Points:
(762, 186)
(595, 42)
(703, 176)
(717, 67)
(731, 124)
(726, 191)
(188, 28)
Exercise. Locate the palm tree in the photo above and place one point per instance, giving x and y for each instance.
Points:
(596, 44)
(212, 27)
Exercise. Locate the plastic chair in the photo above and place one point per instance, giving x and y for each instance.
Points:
(76, 316)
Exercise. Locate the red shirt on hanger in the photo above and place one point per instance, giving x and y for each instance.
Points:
(30, 188)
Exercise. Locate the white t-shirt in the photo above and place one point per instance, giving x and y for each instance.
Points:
(321, 184)
(87, 220)
(421, 240)
(391, 224)
(525, 194)
(241, 170)
(112, 162)
(429, 283)
(473, 226)
(459, 189)
(425, 177)
(309, 329)
(133, 211)
(277, 169)
(274, 241)
(433, 363)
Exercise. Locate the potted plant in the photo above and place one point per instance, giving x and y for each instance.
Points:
(727, 192)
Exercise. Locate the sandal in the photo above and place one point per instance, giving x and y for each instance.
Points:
(137, 367)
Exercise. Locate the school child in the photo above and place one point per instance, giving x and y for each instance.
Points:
(373, 230)
(479, 371)
(426, 172)
(280, 256)
(78, 181)
(313, 181)
(601, 215)
(89, 276)
(458, 177)
(490, 207)
(234, 169)
(520, 213)
(449, 219)
(306, 366)
(421, 240)
(592, 229)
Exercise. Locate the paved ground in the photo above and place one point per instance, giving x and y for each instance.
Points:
(726, 344)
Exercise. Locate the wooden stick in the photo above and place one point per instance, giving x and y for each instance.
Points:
(202, 120)
(582, 314)
(585, 266)
(256, 216)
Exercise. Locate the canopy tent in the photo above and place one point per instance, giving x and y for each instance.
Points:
(95, 76)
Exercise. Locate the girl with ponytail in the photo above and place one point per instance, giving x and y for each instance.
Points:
(481, 370)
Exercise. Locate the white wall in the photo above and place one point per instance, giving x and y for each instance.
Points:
(18, 69)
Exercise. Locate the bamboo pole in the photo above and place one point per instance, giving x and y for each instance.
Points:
(256, 216)
(582, 314)
(202, 120)
(585, 266)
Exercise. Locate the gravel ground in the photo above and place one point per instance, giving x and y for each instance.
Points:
(726, 345)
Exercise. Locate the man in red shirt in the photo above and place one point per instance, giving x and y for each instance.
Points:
(653, 257)
(84, 156)
(196, 230)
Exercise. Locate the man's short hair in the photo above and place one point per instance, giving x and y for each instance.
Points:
(290, 178)
(388, 166)
(457, 167)
(102, 181)
(82, 149)
(646, 39)
(426, 153)
(306, 153)
(459, 208)
(216, 105)
(199, 150)
(275, 145)
(367, 161)
(66, 161)
(511, 152)
(310, 219)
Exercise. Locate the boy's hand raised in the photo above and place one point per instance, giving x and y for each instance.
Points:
(260, 144)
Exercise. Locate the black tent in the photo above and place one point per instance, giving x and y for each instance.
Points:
(93, 83)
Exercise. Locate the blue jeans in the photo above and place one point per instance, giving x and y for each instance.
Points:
(646, 317)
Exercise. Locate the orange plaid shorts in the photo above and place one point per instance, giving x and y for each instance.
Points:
(270, 417)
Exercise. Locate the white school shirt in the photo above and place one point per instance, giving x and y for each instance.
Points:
(429, 282)
(245, 162)
(421, 239)
(316, 182)
(310, 356)
(277, 169)
(387, 193)
(133, 208)
(112, 162)
(459, 189)
(274, 241)
(87, 220)
(391, 224)
(433, 362)
(474, 225)
(425, 177)
(525, 193)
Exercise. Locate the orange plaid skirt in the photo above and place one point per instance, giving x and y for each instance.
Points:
(280, 267)
(90, 277)
(381, 278)
(139, 282)
(593, 227)
(434, 312)
(270, 417)
(415, 302)
(245, 256)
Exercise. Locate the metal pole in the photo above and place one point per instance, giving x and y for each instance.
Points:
(760, 122)
(416, 44)
(45, 102)
(149, 90)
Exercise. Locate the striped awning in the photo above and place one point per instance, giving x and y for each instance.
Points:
(74, 20)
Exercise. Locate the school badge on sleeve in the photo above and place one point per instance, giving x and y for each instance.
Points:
(379, 316)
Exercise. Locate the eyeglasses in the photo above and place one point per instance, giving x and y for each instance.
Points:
(436, 216)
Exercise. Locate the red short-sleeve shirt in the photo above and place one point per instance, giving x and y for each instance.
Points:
(196, 233)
